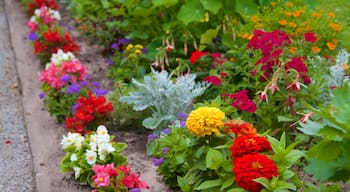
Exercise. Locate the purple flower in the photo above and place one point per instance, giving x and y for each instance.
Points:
(88, 76)
(182, 123)
(166, 131)
(109, 61)
(41, 95)
(152, 137)
(100, 92)
(123, 41)
(95, 84)
(69, 28)
(144, 50)
(84, 83)
(114, 46)
(157, 162)
(65, 78)
(135, 190)
(182, 116)
(74, 107)
(165, 150)
(75, 88)
(33, 36)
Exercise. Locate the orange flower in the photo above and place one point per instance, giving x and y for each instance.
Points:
(296, 14)
(345, 66)
(289, 4)
(331, 14)
(247, 36)
(283, 22)
(315, 49)
(292, 49)
(240, 128)
(288, 13)
(317, 15)
(255, 19)
(292, 25)
(335, 26)
(273, 4)
(331, 46)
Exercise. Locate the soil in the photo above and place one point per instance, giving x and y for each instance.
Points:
(44, 132)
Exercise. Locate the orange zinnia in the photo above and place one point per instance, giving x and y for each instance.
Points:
(315, 49)
(330, 46)
(240, 127)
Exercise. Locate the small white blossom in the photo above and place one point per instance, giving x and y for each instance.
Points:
(91, 157)
(76, 172)
(73, 157)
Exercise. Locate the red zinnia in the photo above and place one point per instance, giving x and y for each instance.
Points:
(249, 144)
(310, 37)
(196, 55)
(213, 80)
(253, 166)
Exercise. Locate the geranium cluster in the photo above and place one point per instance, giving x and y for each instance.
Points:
(242, 101)
(248, 163)
(120, 178)
(96, 148)
(37, 4)
(45, 16)
(88, 112)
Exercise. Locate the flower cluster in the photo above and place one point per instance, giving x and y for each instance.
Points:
(242, 101)
(45, 16)
(248, 163)
(37, 4)
(87, 112)
(196, 55)
(205, 121)
(109, 177)
(96, 148)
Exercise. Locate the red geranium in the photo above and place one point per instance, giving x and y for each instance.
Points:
(215, 80)
(37, 4)
(298, 64)
(88, 111)
(310, 37)
(253, 166)
(196, 55)
(249, 144)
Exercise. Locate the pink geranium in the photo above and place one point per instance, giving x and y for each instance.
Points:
(101, 179)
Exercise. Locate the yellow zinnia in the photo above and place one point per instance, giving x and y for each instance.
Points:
(205, 121)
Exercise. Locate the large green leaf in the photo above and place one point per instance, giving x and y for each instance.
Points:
(247, 7)
(214, 159)
(166, 3)
(207, 37)
(322, 170)
(326, 150)
(212, 5)
(209, 184)
(193, 10)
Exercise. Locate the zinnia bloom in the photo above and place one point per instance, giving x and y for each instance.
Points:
(240, 127)
(205, 121)
(253, 166)
(249, 144)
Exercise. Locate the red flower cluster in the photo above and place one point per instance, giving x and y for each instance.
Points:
(298, 64)
(196, 55)
(215, 80)
(270, 44)
(88, 110)
(37, 4)
(310, 37)
(239, 128)
(242, 101)
(253, 166)
(53, 41)
(249, 144)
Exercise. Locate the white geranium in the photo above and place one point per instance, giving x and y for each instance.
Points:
(102, 130)
(73, 157)
(72, 139)
(76, 172)
(59, 57)
(91, 157)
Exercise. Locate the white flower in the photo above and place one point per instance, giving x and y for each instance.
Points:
(100, 140)
(37, 12)
(72, 138)
(102, 130)
(67, 141)
(78, 141)
(33, 19)
(104, 150)
(93, 146)
(91, 157)
(102, 156)
(56, 15)
(76, 172)
(73, 157)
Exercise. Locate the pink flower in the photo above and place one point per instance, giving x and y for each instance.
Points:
(310, 37)
(43, 11)
(242, 101)
(133, 181)
(101, 179)
(33, 26)
(213, 80)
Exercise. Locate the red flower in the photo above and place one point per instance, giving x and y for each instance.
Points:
(213, 80)
(253, 166)
(196, 55)
(249, 144)
(240, 128)
(310, 37)
(39, 3)
(298, 64)
(242, 101)
(52, 36)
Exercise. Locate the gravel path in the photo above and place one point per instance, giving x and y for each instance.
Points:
(16, 165)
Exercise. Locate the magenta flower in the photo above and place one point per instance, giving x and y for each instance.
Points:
(101, 179)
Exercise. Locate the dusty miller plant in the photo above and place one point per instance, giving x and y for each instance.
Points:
(167, 98)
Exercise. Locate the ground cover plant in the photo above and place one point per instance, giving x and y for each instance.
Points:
(243, 96)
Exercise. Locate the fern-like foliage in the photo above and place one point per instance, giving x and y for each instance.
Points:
(165, 96)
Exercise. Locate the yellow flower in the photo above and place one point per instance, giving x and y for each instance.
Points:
(247, 36)
(292, 25)
(129, 47)
(132, 55)
(205, 121)
(255, 19)
(138, 52)
(138, 46)
(315, 49)
(330, 46)
(335, 26)
(283, 22)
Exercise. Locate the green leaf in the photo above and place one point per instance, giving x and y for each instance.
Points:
(227, 183)
(326, 150)
(214, 159)
(320, 169)
(209, 184)
(154, 122)
(293, 156)
(311, 127)
(207, 37)
(191, 11)
(247, 7)
(285, 185)
(284, 119)
(212, 5)
(237, 190)
(166, 3)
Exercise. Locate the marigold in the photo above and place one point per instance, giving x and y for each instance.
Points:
(330, 46)
(255, 19)
(240, 127)
(249, 144)
(315, 49)
(205, 121)
(283, 22)
(331, 14)
(292, 49)
(335, 26)
(250, 167)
